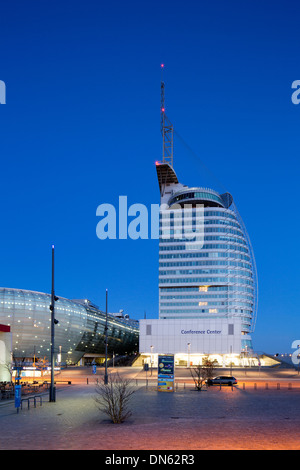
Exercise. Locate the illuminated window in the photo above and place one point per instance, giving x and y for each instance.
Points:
(203, 288)
(213, 310)
(202, 303)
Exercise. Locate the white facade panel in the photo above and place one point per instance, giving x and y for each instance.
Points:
(201, 336)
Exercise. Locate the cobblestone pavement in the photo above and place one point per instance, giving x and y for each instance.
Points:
(183, 420)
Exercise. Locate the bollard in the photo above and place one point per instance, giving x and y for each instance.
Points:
(290, 386)
(267, 387)
(255, 386)
(244, 386)
(278, 386)
(87, 380)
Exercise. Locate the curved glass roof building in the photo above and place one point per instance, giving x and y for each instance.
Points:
(80, 329)
(206, 263)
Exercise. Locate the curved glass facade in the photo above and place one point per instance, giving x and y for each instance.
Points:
(213, 277)
(205, 196)
(80, 329)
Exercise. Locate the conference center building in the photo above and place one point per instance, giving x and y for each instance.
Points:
(207, 272)
(207, 278)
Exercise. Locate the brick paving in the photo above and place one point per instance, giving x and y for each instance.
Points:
(184, 420)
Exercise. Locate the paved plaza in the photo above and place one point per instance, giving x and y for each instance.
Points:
(184, 420)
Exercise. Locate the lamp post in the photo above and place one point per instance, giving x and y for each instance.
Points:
(151, 358)
(52, 390)
(105, 374)
(189, 351)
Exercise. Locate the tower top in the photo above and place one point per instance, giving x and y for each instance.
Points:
(166, 126)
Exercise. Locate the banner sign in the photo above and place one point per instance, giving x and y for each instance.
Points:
(165, 373)
(18, 396)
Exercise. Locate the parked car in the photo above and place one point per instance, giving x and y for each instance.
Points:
(222, 380)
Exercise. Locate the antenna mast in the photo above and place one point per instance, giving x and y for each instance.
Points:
(166, 126)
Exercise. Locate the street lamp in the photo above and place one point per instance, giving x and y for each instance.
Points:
(189, 351)
(230, 360)
(105, 374)
(151, 358)
(52, 391)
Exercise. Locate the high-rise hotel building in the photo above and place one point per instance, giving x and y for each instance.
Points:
(207, 271)
(210, 275)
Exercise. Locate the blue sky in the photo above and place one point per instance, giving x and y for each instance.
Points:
(82, 126)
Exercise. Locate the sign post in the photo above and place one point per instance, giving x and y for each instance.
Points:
(18, 390)
(18, 396)
(165, 374)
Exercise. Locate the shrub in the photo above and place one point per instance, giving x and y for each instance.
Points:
(113, 398)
